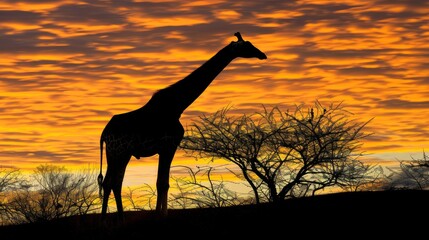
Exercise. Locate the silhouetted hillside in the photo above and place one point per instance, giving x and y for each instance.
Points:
(339, 216)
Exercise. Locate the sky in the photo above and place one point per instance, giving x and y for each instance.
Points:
(66, 67)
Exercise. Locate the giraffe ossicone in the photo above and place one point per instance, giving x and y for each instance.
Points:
(239, 37)
(155, 127)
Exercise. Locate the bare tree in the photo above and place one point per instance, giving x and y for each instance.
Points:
(54, 193)
(10, 180)
(281, 154)
(358, 176)
(190, 188)
(141, 197)
(200, 189)
(412, 174)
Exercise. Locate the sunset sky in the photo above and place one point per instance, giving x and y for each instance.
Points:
(67, 66)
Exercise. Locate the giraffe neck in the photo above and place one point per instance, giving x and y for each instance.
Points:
(180, 95)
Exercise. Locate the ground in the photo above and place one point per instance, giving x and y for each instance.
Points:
(354, 215)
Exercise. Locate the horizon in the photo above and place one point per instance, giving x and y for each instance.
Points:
(64, 75)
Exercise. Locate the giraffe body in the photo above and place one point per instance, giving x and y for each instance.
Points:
(155, 128)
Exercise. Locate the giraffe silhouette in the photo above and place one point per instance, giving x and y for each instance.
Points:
(155, 128)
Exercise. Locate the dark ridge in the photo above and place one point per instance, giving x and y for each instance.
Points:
(353, 215)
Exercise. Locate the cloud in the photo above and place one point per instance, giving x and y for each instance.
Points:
(86, 14)
(68, 66)
(41, 155)
(404, 104)
(17, 16)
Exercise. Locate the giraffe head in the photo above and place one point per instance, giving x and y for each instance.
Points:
(245, 49)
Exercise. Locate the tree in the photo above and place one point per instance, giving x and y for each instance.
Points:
(200, 189)
(10, 180)
(413, 174)
(359, 176)
(141, 197)
(55, 193)
(279, 153)
(190, 188)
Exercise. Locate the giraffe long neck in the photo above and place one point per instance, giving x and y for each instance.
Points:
(180, 95)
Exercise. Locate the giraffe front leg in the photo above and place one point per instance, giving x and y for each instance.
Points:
(161, 202)
(162, 183)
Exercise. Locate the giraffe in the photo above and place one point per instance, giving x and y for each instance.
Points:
(155, 127)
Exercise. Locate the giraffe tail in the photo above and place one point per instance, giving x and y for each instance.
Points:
(100, 176)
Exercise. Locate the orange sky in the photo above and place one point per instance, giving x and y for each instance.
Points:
(67, 66)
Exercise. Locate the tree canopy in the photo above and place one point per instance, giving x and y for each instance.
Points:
(280, 153)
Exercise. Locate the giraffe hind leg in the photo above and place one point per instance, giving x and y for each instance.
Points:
(107, 188)
(115, 176)
(117, 191)
(113, 182)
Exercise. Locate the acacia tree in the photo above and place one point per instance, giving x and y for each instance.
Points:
(279, 153)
